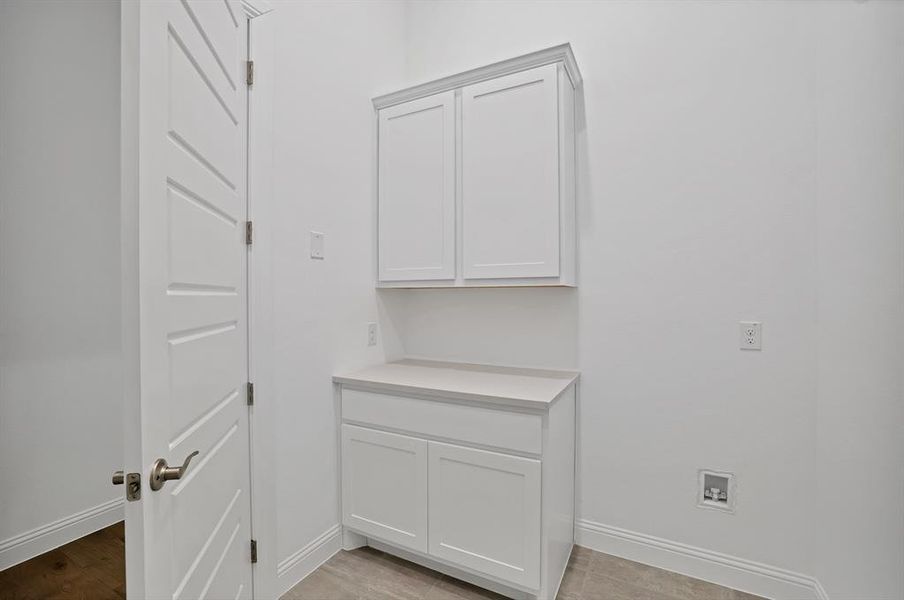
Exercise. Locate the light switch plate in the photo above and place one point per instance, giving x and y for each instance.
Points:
(317, 245)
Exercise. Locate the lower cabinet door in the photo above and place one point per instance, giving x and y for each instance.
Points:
(384, 486)
(485, 512)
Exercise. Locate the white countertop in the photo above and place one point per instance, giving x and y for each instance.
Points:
(535, 388)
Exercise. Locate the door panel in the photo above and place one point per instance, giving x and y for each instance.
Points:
(200, 122)
(510, 176)
(192, 273)
(485, 512)
(417, 190)
(200, 518)
(218, 27)
(202, 369)
(195, 513)
(384, 486)
(215, 262)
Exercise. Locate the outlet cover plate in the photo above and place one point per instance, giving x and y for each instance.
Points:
(750, 335)
(317, 245)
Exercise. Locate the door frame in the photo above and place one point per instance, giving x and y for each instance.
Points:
(259, 194)
(261, 326)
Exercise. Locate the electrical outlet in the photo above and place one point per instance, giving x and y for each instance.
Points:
(751, 335)
(317, 245)
(371, 334)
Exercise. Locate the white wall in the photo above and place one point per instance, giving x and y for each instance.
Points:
(723, 150)
(860, 416)
(60, 394)
(331, 58)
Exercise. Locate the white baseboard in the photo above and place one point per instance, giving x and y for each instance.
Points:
(42, 539)
(304, 561)
(730, 571)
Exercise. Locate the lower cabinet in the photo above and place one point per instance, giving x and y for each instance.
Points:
(483, 507)
(484, 511)
(479, 490)
(384, 486)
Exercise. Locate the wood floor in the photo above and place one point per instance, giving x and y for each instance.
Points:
(90, 568)
(368, 574)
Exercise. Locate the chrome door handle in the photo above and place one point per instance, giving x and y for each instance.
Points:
(119, 478)
(161, 472)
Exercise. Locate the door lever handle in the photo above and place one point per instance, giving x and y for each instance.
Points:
(162, 472)
(119, 478)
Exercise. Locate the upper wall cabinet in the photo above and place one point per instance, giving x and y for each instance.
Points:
(476, 183)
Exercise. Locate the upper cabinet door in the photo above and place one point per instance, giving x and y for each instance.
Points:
(416, 204)
(510, 176)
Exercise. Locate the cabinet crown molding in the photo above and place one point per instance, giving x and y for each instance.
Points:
(555, 54)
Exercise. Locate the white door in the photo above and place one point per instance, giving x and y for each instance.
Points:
(184, 143)
(510, 176)
(485, 512)
(384, 486)
(416, 198)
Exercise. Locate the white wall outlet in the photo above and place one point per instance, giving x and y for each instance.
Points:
(317, 245)
(371, 334)
(751, 335)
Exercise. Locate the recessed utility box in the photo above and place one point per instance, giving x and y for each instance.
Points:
(716, 489)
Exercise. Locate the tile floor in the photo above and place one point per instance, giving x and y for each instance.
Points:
(368, 574)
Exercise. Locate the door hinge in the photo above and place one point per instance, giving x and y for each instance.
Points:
(253, 551)
(250, 393)
(249, 72)
(249, 231)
